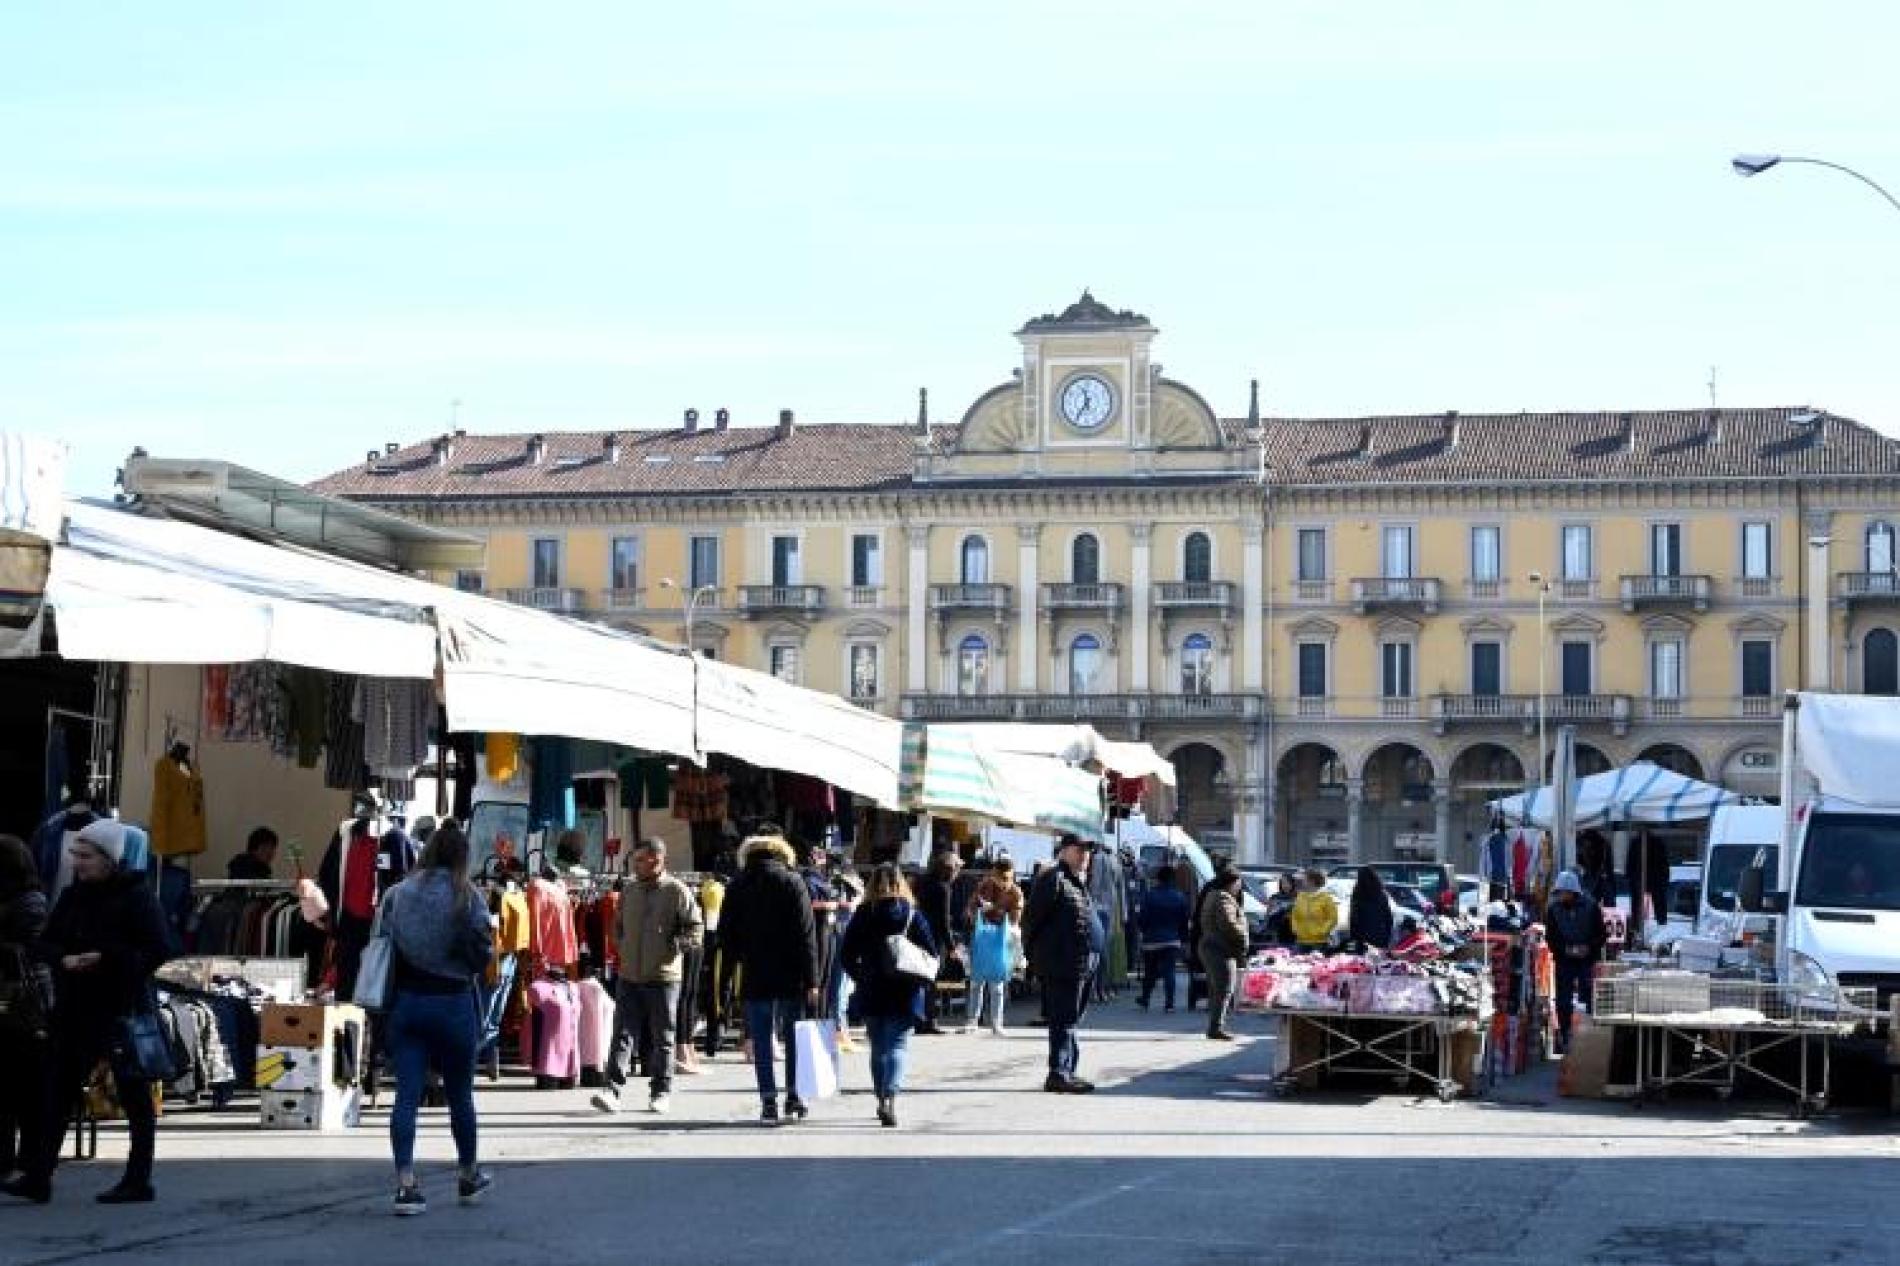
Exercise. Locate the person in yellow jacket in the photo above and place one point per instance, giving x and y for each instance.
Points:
(1315, 913)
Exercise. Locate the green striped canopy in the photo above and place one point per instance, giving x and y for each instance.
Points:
(950, 772)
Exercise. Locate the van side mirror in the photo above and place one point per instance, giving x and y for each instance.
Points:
(1748, 890)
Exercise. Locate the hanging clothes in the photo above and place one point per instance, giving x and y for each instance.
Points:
(551, 916)
(307, 696)
(178, 809)
(397, 716)
(551, 783)
(343, 767)
(503, 752)
(699, 795)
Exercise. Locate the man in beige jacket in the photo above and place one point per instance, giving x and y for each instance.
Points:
(659, 922)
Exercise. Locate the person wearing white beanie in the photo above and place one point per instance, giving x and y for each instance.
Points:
(108, 837)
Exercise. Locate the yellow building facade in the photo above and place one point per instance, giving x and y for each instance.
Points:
(1345, 632)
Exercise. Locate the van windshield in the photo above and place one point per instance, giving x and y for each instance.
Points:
(1851, 861)
(1726, 864)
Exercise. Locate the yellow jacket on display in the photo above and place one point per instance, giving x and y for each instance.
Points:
(178, 810)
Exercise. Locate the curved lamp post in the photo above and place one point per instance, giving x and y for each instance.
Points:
(690, 602)
(1756, 164)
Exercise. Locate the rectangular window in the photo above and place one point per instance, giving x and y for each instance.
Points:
(1665, 549)
(785, 663)
(867, 561)
(1312, 670)
(1395, 670)
(1487, 668)
(625, 564)
(1395, 552)
(784, 561)
(1487, 554)
(469, 581)
(1665, 669)
(1312, 554)
(1757, 554)
(547, 563)
(703, 561)
(864, 672)
(973, 667)
(1578, 564)
(1758, 668)
(1576, 669)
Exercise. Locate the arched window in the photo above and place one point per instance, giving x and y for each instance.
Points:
(973, 666)
(1880, 663)
(1085, 560)
(1197, 559)
(1197, 665)
(976, 561)
(1880, 548)
(1085, 664)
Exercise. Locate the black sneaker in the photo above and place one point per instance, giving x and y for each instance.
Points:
(795, 1110)
(127, 1193)
(768, 1114)
(24, 1188)
(409, 1202)
(1056, 1084)
(887, 1113)
(470, 1188)
(1077, 1086)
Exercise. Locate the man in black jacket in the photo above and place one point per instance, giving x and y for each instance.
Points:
(1575, 932)
(767, 933)
(1060, 934)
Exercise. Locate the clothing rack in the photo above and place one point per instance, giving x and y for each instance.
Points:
(99, 755)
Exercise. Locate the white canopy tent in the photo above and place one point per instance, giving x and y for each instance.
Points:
(1075, 744)
(1640, 793)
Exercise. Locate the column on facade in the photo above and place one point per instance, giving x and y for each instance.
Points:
(917, 610)
(1253, 588)
(1255, 815)
(1027, 649)
(1820, 643)
(1441, 802)
(1355, 820)
(1140, 580)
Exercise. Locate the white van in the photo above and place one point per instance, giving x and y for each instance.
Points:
(1737, 833)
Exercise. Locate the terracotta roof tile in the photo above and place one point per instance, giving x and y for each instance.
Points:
(1429, 448)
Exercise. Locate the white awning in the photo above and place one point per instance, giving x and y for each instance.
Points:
(133, 589)
(1076, 744)
(1637, 793)
(775, 725)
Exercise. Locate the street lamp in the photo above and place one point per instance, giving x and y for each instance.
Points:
(1755, 164)
(690, 605)
(1543, 654)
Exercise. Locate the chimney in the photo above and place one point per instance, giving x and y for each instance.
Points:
(391, 449)
(1253, 405)
(1715, 425)
(722, 419)
(923, 410)
(610, 447)
(537, 449)
(444, 450)
(692, 421)
(785, 424)
(1629, 434)
(375, 455)
(1452, 430)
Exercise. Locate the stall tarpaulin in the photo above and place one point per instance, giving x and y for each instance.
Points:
(1636, 793)
(1076, 744)
(775, 725)
(130, 588)
(32, 471)
(517, 671)
(1845, 743)
(949, 769)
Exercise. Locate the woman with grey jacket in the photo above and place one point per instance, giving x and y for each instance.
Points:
(442, 935)
(1223, 948)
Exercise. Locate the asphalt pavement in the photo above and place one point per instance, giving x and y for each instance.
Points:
(1184, 1156)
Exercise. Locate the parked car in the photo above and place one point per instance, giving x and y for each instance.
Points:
(1434, 879)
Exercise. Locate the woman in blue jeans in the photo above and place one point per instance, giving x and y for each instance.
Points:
(890, 1005)
(442, 935)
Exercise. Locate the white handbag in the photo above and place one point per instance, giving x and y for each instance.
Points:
(906, 960)
(376, 974)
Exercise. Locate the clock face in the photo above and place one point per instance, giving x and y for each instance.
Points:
(1087, 402)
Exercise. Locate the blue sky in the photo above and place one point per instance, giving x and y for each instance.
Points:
(286, 233)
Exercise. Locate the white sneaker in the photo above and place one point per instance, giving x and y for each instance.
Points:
(606, 1101)
(996, 1030)
(662, 1104)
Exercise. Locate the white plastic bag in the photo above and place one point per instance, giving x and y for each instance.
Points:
(819, 1071)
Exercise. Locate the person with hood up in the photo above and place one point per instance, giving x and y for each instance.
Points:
(1575, 932)
(767, 934)
(1222, 948)
(892, 1006)
(1164, 924)
(1369, 914)
(103, 940)
(1315, 914)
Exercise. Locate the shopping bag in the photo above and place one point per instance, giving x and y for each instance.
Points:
(816, 1042)
(990, 957)
(376, 970)
(904, 959)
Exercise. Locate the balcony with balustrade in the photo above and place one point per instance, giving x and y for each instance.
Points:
(1641, 593)
(556, 599)
(1419, 594)
(805, 601)
(1220, 597)
(1449, 710)
(990, 599)
(1083, 598)
(1159, 708)
(1869, 588)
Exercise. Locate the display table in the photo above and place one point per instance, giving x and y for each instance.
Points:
(1693, 1030)
(1408, 1049)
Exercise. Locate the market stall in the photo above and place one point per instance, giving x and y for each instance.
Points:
(1723, 1035)
(1405, 1022)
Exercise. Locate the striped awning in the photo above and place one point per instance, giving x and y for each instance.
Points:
(1638, 793)
(947, 770)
